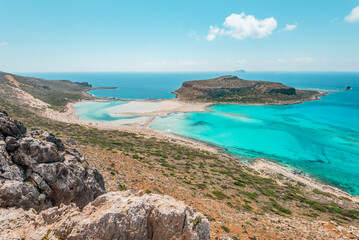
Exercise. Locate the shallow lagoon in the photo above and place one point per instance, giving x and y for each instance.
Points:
(320, 137)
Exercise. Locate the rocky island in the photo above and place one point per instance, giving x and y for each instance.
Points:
(231, 89)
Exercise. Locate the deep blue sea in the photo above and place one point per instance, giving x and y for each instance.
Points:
(320, 138)
(130, 85)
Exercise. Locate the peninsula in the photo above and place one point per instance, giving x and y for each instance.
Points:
(231, 89)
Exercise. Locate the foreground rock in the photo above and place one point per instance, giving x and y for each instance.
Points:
(50, 192)
(116, 215)
(36, 171)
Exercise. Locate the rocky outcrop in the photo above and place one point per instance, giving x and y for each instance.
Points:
(9, 127)
(115, 215)
(37, 171)
(50, 192)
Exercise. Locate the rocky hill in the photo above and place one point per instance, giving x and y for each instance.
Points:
(51, 192)
(37, 93)
(235, 90)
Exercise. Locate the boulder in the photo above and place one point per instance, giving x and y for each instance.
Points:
(36, 171)
(10, 127)
(115, 215)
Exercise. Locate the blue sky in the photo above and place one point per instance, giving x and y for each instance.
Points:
(186, 35)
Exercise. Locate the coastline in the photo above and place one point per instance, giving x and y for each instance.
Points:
(265, 167)
(268, 168)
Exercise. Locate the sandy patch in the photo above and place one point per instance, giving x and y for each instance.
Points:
(12, 80)
(24, 97)
(158, 108)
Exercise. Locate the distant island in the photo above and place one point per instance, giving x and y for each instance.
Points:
(231, 89)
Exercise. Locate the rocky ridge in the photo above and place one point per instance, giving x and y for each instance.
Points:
(50, 191)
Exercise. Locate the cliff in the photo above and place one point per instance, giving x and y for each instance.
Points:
(236, 90)
(49, 191)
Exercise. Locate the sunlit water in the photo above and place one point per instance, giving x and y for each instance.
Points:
(320, 138)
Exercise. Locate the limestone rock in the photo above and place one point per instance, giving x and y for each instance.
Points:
(125, 215)
(116, 215)
(36, 171)
(10, 127)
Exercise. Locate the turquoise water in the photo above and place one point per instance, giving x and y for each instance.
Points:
(96, 111)
(320, 138)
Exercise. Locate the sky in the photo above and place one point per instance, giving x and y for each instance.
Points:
(178, 35)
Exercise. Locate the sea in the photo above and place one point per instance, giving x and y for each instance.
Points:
(319, 139)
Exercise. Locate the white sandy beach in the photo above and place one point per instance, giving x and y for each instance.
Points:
(157, 108)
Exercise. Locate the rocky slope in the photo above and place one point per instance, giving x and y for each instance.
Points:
(37, 94)
(236, 90)
(52, 192)
(37, 171)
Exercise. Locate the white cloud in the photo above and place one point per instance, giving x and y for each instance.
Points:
(290, 27)
(353, 16)
(3, 44)
(303, 60)
(212, 33)
(241, 26)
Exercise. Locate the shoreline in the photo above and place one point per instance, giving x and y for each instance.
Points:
(268, 168)
(264, 166)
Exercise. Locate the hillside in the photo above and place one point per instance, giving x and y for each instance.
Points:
(37, 93)
(239, 201)
(231, 89)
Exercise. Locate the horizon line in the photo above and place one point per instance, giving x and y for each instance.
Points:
(219, 71)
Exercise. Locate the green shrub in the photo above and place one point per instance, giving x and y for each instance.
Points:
(219, 195)
(248, 207)
(317, 191)
(196, 221)
(226, 229)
